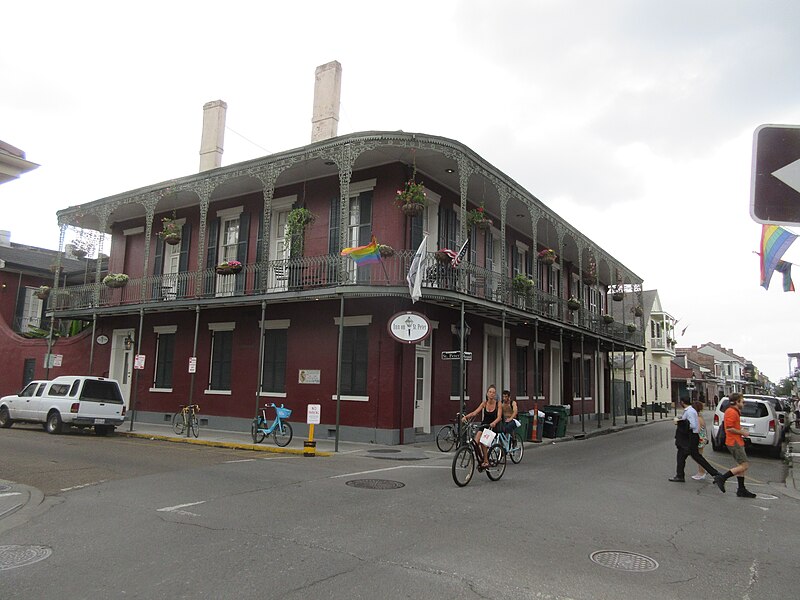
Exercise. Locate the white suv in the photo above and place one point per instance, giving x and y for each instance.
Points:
(759, 417)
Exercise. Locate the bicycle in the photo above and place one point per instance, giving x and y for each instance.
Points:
(281, 430)
(512, 444)
(469, 454)
(453, 435)
(186, 420)
(794, 422)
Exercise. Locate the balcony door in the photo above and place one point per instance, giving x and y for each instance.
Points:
(278, 251)
(172, 262)
(227, 250)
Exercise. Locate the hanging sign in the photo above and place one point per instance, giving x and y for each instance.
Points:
(138, 362)
(409, 327)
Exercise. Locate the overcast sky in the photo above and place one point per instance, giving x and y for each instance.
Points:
(632, 119)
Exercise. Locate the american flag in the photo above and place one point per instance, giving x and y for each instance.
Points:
(457, 258)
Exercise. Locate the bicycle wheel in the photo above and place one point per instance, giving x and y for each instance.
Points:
(446, 438)
(497, 463)
(256, 432)
(282, 434)
(178, 423)
(463, 466)
(517, 448)
(194, 424)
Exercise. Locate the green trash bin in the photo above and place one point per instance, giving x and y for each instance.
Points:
(555, 420)
(525, 425)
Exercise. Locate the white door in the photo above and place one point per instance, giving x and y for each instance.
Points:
(121, 367)
(422, 387)
(555, 374)
(279, 276)
(172, 256)
(228, 247)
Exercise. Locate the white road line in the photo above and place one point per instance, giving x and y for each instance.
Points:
(390, 469)
(77, 487)
(242, 460)
(179, 506)
(10, 494)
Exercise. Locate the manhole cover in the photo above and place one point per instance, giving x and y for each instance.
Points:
(383, 451)
(12, 557)
(375, 484)
(624, 561)
(766, 497)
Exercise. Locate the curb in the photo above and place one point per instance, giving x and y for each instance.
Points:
(220, 444)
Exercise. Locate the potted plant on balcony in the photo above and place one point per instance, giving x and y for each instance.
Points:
(608, 319)
(478, 218)
(116, 280)
(229, 267)
(631, 327)
(573, 303)
(412, 199)
(522, 285)
(42, 292)
(638, 311)
(547, 256)
(385, 251)
(617, 295)
(296, 222)
(170, 230)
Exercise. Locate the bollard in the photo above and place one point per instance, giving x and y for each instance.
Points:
(310, 448)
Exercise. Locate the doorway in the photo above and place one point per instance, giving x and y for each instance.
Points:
(121, 366)
(422, 387)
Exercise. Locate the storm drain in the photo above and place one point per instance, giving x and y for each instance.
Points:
(375, 484)
(624, 561)
(12, 557)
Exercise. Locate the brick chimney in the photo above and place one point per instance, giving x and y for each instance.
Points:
(213, 135)
(327, 91)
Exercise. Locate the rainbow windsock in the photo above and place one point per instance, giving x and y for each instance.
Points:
(774, 242)
(364, 255)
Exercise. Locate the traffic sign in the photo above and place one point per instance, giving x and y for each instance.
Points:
(455, 355)
(775, 183)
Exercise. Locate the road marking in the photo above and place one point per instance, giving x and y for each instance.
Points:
(242, 460)
(177, 508)
(390, 469)
(10, 494)
(77, 487)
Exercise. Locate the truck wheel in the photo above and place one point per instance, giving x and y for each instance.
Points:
(5, 420)
(54, 424)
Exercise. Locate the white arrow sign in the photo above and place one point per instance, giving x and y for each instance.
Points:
(790, 175)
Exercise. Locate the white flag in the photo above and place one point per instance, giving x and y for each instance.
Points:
(415, 272)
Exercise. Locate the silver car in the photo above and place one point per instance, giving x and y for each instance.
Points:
(760, 418)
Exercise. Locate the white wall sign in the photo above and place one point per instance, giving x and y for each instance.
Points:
(192, 364)
(138, 362)
(313, 414)
(308, 376)
(102, 340)
(409, 327)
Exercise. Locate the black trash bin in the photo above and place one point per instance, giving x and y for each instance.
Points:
(555, 420)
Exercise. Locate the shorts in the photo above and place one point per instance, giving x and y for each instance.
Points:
(506, 426)
(738, 454)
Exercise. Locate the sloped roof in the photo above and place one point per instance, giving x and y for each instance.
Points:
(30, 258)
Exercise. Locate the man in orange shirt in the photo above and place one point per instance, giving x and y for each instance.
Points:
(734, 440)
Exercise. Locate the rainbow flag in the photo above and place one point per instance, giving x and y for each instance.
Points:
(786, 268)
(774, 242)
(364, 255)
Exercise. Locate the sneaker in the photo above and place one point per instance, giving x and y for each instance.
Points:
(699, 477)
(677, 479)
(720, 482)
(745, 493)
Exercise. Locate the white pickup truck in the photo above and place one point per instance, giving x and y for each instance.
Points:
(72, 400)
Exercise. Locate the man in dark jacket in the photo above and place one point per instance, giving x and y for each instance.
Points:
(687, 440)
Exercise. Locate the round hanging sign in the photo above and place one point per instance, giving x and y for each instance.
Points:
(102, 339)
(409, 327)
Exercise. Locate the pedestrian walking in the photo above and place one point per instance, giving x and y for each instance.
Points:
(703, 436)
(734, 440)
(687, 440)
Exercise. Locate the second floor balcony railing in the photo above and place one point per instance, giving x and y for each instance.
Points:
(329, 271)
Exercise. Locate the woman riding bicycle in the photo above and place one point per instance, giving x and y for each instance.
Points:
(491, 415)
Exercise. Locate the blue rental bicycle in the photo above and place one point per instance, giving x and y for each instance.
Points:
(512, 444)
(281, 430)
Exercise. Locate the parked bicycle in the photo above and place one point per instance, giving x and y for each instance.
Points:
(794, 421)
(280, 430)
(512, 444)
(455, 434)
(468, 455)
(186, 420)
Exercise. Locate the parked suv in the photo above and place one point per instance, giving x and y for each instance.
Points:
(759, 417)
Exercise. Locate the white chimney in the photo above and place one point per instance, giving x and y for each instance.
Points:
(327, 90)
(213, 135)
(5, 239)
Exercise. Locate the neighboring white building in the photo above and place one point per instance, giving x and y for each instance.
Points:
(730, 368)
(652, 383)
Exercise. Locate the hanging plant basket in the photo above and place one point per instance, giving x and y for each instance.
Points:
(548, 259)
(116, 280)
(412, 209)
(171, 238)
(385, 251)
(573, 304)
(608, 319)
(483, 224)
(231, 267)
(522, 285)
(638, 311)
(617, 296)
(589, 279)
(631, 328)
(42, 293)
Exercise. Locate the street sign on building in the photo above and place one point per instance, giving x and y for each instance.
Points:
(455, 355)
(775, 183)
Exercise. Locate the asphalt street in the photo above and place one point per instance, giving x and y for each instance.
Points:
(594, 518)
